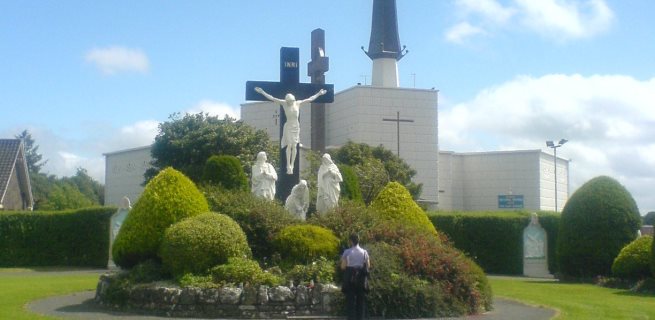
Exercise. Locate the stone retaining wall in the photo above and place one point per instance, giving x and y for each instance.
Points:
(233, 302)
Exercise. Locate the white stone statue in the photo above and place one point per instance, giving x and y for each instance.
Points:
(534, 239)
(298, 201)
(263, 177)
(291, 129)
(329, 190)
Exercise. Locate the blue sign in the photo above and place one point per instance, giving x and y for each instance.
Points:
(510, 201)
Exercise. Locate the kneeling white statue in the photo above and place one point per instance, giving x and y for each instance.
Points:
(263, 177)
(298, 201)
(329, 189)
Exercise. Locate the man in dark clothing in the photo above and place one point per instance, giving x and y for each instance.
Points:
(355, 263)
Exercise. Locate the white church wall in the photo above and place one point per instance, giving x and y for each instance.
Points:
(357, 114)
(124, 174)
(264, 116)
(547, 182)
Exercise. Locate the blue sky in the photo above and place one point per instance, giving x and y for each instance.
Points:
(88, 77)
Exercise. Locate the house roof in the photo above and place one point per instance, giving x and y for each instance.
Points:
(12, 157)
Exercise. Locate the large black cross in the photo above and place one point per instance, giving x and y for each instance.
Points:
(289, 83)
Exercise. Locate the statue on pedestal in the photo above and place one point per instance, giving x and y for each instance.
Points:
(291, 129)
(329, 189)
(263, 177)
(298, 201)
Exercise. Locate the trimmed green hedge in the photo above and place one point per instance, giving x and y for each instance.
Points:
(55, 238)
(494, 239)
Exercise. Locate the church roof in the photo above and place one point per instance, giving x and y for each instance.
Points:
(12, 158)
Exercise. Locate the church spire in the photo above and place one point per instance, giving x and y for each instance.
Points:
(384, 47)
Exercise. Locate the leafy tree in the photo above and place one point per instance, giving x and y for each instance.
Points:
(65, 195)
(90, 188)
(649, 218)
(372, 178)
(351, 189)
(359, 154)
(34, 159)
(599, 219)
(186, 142)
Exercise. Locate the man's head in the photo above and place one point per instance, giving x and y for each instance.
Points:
(354, 239)
(290, 98)
(261, 157)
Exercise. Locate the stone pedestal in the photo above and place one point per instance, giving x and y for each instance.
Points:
(536, 268)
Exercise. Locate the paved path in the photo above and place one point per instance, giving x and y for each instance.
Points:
(81, 306)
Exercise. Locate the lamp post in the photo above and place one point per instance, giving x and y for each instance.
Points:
(552, 145)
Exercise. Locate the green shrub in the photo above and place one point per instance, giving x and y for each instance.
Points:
(350, 186)
(260, 219)
(599, 219)
(652, 259)
(305, 243)
(633, 261)
(226, 171)
(166, 199)
(320, 271)
(346, 219)
(494, 238)
(55, 238)
(197, 281)
(198, 243)
(240, 270)
(395, 203)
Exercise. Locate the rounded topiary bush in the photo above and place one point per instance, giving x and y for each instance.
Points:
(599, 219)
(259, 218)
(239, 270)
(633, 261)
(196, 244)
(395, 203)
(304, 243)
(167, 198)
(225, 171)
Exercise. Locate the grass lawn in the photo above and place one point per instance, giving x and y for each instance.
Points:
(577, 301)
(20, 286)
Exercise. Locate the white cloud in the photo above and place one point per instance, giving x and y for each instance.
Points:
(609, 120)
(214, 108)
(555, 19)
(462, 31)
(112, 60)
(572, 19)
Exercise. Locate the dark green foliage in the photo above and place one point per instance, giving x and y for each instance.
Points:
(65, 238)
(395, 203)
(185, 143)
(32, 155)
(494, 239)
(350, 186)
(348, 218)
(304, 243)
(652, 259)
(225, 171)
(633, 262)
(239, 270)
(260, 219)
(320, 271)
(649, 218)
(599, 219)
(78, 191)
(373, 177)
(167, 199)
(196, 244)
(357, 154)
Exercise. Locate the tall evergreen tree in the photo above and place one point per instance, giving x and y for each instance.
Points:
(34, 159)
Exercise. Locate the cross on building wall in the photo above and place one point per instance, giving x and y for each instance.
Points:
(289, 83)
(397, 121)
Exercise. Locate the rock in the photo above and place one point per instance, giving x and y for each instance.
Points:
(302, 295)
(230, 295)
(208, 296)
(189, 296)
(280, 294)
(262, 295)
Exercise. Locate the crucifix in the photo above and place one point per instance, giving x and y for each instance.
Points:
(285, 92)
(398, 121)
(316, 70)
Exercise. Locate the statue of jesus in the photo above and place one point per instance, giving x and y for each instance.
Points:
(291, 129)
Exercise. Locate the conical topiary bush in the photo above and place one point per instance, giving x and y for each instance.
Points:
(166, 199)
(395, 203)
